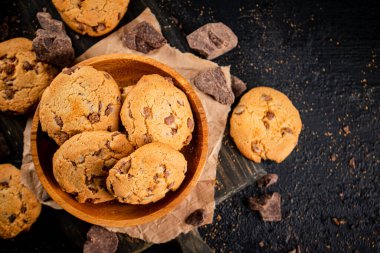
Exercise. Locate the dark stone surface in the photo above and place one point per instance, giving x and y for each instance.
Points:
(324, 56)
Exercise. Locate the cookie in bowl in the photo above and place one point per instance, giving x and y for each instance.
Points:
(147, 174)
(19, 207)
(265, 125)
(80, 99)
(23, 78)
(157, 111)
(81, 164)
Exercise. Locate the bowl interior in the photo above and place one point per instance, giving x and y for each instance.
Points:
(126, 70)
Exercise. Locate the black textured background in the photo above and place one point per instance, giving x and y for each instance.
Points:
(324, 56)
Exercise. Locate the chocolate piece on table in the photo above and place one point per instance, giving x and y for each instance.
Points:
(213, 82)
(100, 240)
(237, 85)
(267, 180)
(142, 37)
(196, 218)
(269, 206)
(212, 40)
(51, 43)
(50, 24)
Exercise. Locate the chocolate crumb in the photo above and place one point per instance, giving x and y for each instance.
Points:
(94, 117)
(333, 157)
(196, 218)
(346, 130)
(352, 163)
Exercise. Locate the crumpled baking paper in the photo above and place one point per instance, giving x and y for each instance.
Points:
(188, 65)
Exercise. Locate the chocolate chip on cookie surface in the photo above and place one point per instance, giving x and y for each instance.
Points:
(80, 99)
(23, 78)
(19, 207)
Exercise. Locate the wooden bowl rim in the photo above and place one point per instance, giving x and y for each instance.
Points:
(171, 205)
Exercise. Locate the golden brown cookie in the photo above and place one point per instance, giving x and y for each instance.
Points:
(81, 164)
(265, 125)
(22, 77)
(156, 111)
(19, 207)
(78, 100)
(147, 174)
(92, 17)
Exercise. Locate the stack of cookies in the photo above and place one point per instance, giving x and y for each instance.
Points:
(98, 160)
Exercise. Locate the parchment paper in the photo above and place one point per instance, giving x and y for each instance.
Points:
(188, 65)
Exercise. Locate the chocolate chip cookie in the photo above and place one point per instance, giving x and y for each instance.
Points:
(91, 17)
(265, 125)
(78, 100)
(22, 77)
(147, 174)
(155, 110)
(19, 208)
(81, 164)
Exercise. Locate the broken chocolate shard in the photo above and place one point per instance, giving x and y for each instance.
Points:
(267, 180)
(51, 43)
(50, 24)
(238, 86)
(212, 40)
(269, 206)
(196, 218)
(213, 82)
(100, 240)
(143, 37)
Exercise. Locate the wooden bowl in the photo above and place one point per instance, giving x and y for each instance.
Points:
(126, 70)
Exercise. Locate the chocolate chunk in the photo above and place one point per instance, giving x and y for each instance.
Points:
(286, 130)
(4, 185)
(148, 138)
(212, 40)
(23, 209)
(62, 137)
(196, 218)
(142, 37)
(9, 69)
(174, 130)
(170, 185)
(213, 82)
(169, 119)
(108, 110)
(166, 173)
(100, 240)
(12, 218)
(269, 115)
(100, 27)
(266, 124)
(190, 123)
(266, 97)
(147, 113)
(255, 148)
(50, 24)
(107, 76)
(27, 66)
(9, 93)
(94, 117)
(59, 121)
(267, 180)
(180, 102)
(238, 86)
(51, 43)
(269, 206)
(69, 71)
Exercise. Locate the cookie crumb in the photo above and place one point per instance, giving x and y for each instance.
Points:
(352, 163)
